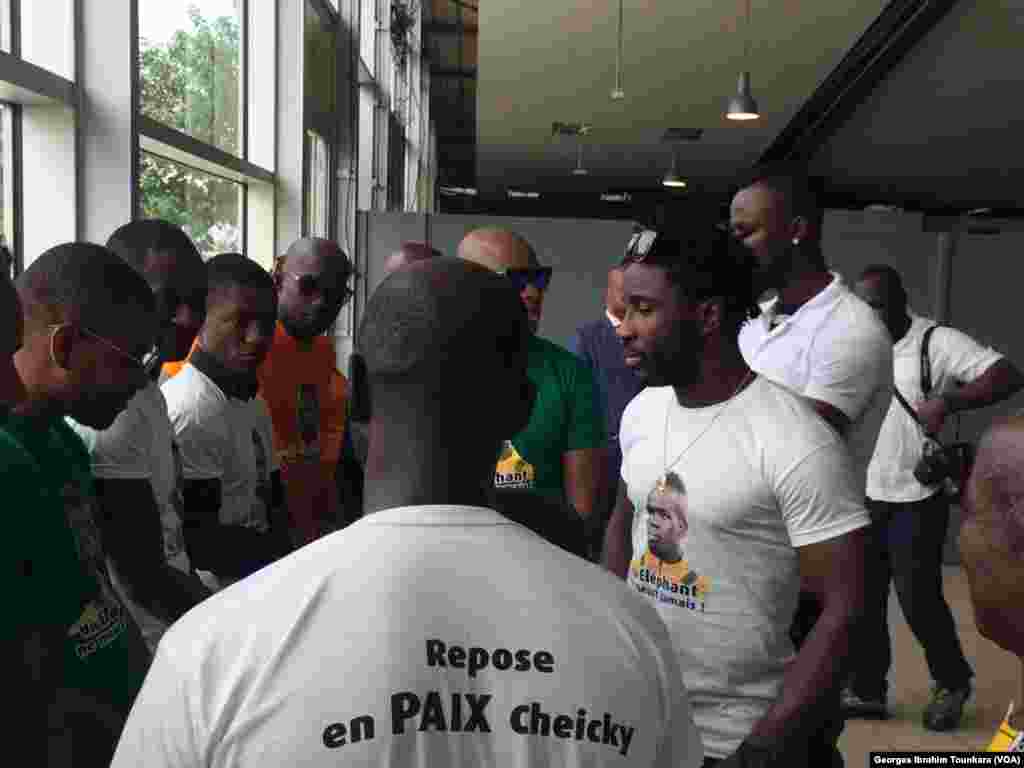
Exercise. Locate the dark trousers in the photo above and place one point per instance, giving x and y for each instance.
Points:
(906, 547)
(797, 758)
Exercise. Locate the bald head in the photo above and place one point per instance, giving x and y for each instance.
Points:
(312, 286)
(497, 249)
(438, 317)
(992, 536)
(410, 253)
(500, 250)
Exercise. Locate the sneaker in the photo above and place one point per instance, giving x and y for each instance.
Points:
(946, 708)
(854, 706)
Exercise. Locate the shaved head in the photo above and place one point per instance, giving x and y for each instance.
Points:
(436, 316)
(500, 250)
(410, 253)
(497, 249)
(992, 536)
(312, 285)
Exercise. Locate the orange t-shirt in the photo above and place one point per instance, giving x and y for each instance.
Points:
(307, 397)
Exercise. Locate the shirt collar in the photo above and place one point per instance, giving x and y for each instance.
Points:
(821, 299)
(241, 386)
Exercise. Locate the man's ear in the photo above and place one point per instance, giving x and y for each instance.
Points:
(62, 342)
(800, 230)
(711, 314)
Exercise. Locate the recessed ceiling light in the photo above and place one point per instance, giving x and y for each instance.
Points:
(673, 180)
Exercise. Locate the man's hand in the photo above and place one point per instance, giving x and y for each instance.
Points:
(933, 413)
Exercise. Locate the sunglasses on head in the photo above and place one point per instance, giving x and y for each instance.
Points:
(639, 246)
(538, 277)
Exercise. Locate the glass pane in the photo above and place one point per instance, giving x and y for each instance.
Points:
(48, 35)
(6, 192)
(189, 68)
(320, 69)
(368, 34)
(5, 25)
(318, 196)
(207, 207)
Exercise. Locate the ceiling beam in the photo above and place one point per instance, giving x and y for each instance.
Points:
(898, 28)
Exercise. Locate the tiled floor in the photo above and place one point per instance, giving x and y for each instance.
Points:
(996, 683)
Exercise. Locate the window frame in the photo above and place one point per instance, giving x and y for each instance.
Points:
(168, 143)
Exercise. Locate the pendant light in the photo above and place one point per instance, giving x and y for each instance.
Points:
(742, 106)
(617, 93)
(672, 178)
(579, 170)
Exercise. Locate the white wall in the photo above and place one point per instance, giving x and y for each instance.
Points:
(580, 251)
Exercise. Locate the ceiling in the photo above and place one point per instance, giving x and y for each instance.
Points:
(945, 128)
(940, 129)
(555, 61)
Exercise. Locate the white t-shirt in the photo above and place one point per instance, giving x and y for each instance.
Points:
(955, 357)
(418, 636)
(140, 445)
(769, 477)
(834, 349)
(227, 439)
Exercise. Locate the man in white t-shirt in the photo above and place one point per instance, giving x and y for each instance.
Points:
(770, 496)
(236, 521)
(136, 463)
(813, 336)
(909, 519)
(432, 631)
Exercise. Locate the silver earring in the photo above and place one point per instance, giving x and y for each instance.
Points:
(796, 241)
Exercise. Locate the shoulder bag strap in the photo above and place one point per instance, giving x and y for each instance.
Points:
(913, 414)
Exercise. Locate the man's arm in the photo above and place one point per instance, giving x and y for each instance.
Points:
(618, 539)
(133, 537)
(583, 463)
(583, 471)
(1000, 382)
(833, 571)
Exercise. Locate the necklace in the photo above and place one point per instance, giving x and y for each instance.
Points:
(662, 484)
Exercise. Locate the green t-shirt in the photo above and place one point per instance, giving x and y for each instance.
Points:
(54, 554)
(567, 416)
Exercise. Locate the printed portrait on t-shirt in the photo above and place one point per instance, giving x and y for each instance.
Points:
(663, 569)
(307, 414)
(513, 471)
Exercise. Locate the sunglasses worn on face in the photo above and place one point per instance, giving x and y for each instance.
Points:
(148, 363)
(310, 285)
(538, 277)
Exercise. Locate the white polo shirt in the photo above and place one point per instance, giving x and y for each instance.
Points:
(140, 445)
(768, 477)
(955, 358)
(834, 348)
(417, 637)
(227, 439)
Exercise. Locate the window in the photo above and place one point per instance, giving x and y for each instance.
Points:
(318, 209)
(320, 100)
(207, 122)
(207, 207)
(6, 192)
(190, 69)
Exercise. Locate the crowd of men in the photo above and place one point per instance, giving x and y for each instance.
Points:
(669, 546)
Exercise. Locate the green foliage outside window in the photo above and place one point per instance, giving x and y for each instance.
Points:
(192, 84)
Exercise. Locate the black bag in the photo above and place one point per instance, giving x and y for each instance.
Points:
(947, 464)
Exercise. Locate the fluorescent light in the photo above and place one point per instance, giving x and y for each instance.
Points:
(611, 197)
(513, 193)
(470, 191)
